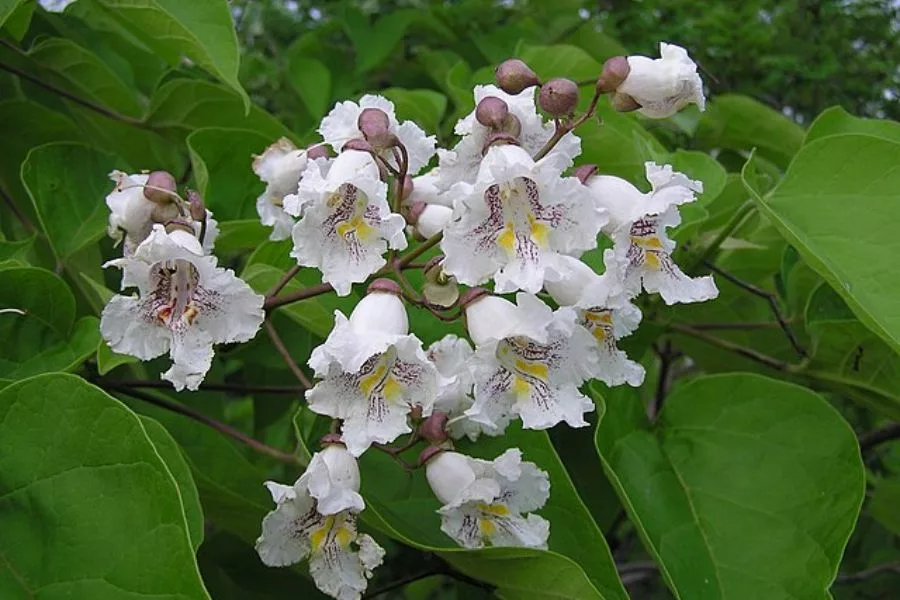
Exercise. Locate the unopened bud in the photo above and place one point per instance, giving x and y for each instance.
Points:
(373, 122)
(491, 112)
(585, 172)
(498, 138)
(414, 211)
(317, 151)
(559, 97)
(428, 453)
(513, 76)
(472, 295)
(160, 187)
(623, 102)
(432, 428)
(512, 125)
(357, 144)
(386, 286)
(179, 225)
(615, 71)
(198, 209)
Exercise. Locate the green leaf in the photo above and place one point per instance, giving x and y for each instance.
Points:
(7, 8)
(222, 161)
(236, 236)
(93, 510)
(578, 564)
(86, 74)
(67, 184)
(599, 45)
(107, 360)
(170, 453)
(201, 30)
(741, 123)
(885, 499)
(41, 335)
(312, 81)
(836, 120)
(191, 104)
(619, 145)
(734, 464)
(374, 43)
(560, 61)
(425, 107)
(17, 22)
(837, 204)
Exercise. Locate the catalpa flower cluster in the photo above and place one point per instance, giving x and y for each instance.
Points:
(505, 218)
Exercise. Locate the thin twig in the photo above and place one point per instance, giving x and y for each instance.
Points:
(286, 355)
(634, 572)
(22, 217)
(98, 108)
(870, 440)
(750, 353)
(666, 358)
(213, 387)
(209, 421)
(289, 274)
(421, 249)
(769, 297)
(738, 326)
(845, 578)
(400, 583)
(733, 224)
(309, 292)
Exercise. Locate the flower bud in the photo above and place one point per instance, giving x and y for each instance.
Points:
(331, 438)
(624, 103)
(448, 473)
(488, 317)
(432, 219)
(158, 187)
(432, 428)
(317, 151)
(513, 76)
(498, 138)
(413, 211)
(491, 112)
(512, 125)
(559, 97)
(198, 209)
(381, 311)
(567, 289)
(342, 466)
(373, 122)
(585, 172)
(357, 144)
(615, 71)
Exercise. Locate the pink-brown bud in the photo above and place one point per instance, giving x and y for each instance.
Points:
(472, 295)
(197, 208)
(559, 97)
(428, 453)
(498, 138)
(511, 125)
(317, 151)
(623, 102)
(513, 76)
(615, 71)
(585, 172)
(373, 122)
(414, 211)
(387, 286)
(358, 144)
(158, 187)
(432, 428)
(331, 438)
(491, 112)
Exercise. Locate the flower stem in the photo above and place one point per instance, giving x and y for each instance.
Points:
(286, 355)
(223, 428)
(421, 249)
(311, 291)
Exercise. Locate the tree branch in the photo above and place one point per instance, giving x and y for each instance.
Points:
(286, 355)
(845, 578)
(223, 428)
(288, 275)
(23, 219)
(213, 387)
(750, 353)
(314, 290)
(870, 440)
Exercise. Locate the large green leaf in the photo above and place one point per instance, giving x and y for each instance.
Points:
(424, 107)
(619, 145)
(42, 335)
(836, 120)
(312, 81)
(200, 30)
(7, 8)
(741, 123)
(88, 508)
(745, 487)
(578, 564)
(222, 160)
(374, 42)
(837, 204)
(560, 61)
(67, 183)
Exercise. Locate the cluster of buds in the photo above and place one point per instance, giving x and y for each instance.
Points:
(505, 211)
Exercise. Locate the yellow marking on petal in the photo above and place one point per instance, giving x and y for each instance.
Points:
(599, 317)
(333, 199)
(541, 371)
(343, 536)
(392, 390)
(318, 536)
(499, 509)
(355, 225)
(652, 242)
(539, 231)
(507, 239)
(487, 527)
(368, 383)
(652, 260)
(191, 313)
(521, 387)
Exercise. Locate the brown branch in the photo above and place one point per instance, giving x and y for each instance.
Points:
(667, 356)
(421, 249)
(223, 428)
(750, 353)
(289, 274)
(286, 355)
(845, 578)
(309, 292)
(213, 387)
(21, 216)
(870, 440)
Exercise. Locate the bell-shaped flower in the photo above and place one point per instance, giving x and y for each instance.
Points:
(280, 167)
(529, 362)
(342, 125)
(461, 163)
(316, 518)
(185, 304)
(346, 225)
(490, 503)
(132, 215)
(373, 372)
(516, 220)
(638, 224)
(664, 85)
(453, 357)
(604, 309)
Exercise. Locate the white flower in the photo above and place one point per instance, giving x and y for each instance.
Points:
(484, 500)
(185, 305)
(603, 309)
(432, 220)
(55, 5)
(133, 216)
(665, 85)
(316, 518)
(347, 224)
(453, 358)
(461, 163)
(638, 225)
(340, 126)
(373, 373)
(425, 189)
(529, 362)
(516, 221)
(280, 167)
